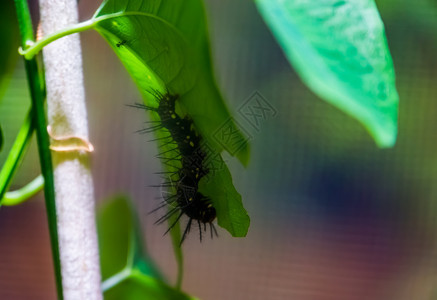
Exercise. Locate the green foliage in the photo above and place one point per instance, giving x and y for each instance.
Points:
(128, 270)
(9, 38)
(140, 286)
(230, 214)
(164, 45)
(20, 196)
(120, 240)
(340, 51)
(37, 118)
(1, 139)
(15, 156)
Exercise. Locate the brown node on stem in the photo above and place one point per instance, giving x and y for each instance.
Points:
(68, 143)
(39, 34)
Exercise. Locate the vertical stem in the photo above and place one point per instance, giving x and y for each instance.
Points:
(177, 249)
(36, 84)
(67, 116)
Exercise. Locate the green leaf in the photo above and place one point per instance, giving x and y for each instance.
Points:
(231, 214)
(339, 49)
(218, 186)
(119, 240)
(164, 45)
(128, 270)
(1, 139)
(140, 286)
(10, 42)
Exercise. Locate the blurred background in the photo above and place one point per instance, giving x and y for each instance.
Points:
(332, 216)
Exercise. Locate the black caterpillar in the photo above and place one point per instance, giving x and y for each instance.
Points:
(185, 143)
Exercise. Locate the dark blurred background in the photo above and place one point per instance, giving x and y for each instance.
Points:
(333, 217)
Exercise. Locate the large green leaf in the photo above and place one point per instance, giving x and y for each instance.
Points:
(339, 49)
(129, 272)
(164, 45)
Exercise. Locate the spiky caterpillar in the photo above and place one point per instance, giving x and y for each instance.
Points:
(188, 151)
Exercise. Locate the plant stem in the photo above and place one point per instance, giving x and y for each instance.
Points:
(19, 196)
(30, 49)
(176, 238)
(36, 84)
(75, 203)
(16, 154)
(116, 279)
(34, 48)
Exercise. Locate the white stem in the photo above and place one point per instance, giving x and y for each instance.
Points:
(74, 190)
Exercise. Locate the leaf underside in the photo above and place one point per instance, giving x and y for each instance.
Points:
(164, 46)
(339, 49)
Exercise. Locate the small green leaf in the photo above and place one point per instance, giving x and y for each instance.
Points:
(164, 45)
(339, 49)
(128, 270)
(140, 286)
(119, 240)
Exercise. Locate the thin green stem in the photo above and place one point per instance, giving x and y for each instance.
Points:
(25, 193)
(30, 48)
(175, 233)
(34, 48)
(36, 86)
(16, 154)
(46, 163)
(116, 279)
